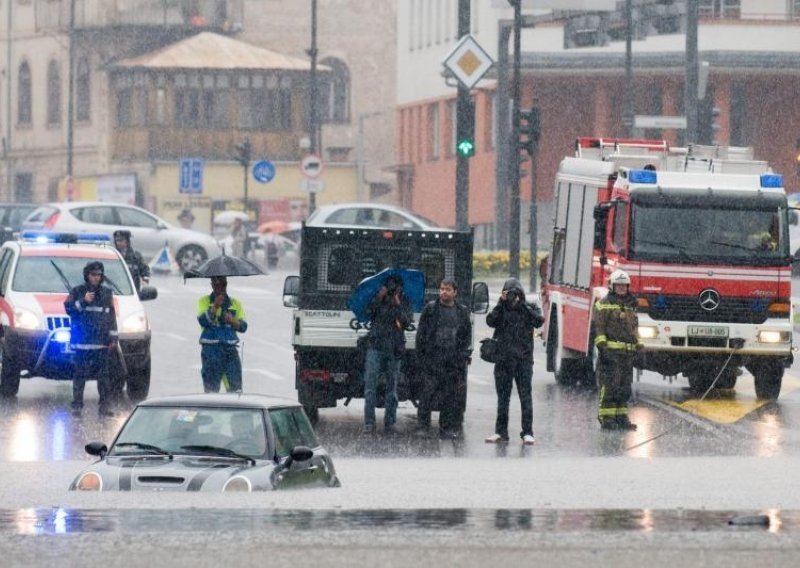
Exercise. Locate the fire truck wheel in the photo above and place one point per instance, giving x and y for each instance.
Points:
(567, 370)
(9, 375)
(768, 377)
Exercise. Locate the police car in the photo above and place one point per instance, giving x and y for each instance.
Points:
(36, 273)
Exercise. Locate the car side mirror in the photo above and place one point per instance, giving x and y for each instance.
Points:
(161, 226)
(299, 454)
(148, 293)
(793, 217)
(291, 291)
(98, 449)
(480, 298)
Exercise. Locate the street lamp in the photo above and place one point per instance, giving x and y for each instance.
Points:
(312, 102)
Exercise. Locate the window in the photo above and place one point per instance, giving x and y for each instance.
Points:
(5, 264)
(215, 108)
(125, 108)
(435, 131)
(24, 95)
(187, 108)
(38, 274)
(103, 215)
(53, 94)
(83, 91)
(141, 109)
(620, 217)
(23, 187)
(136, 218)
(334, 95)
(291, 429)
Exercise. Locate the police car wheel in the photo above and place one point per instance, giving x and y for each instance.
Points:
(138, 384)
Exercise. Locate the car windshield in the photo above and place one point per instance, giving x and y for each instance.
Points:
(192, 430)
(713, 233)
(47, 274)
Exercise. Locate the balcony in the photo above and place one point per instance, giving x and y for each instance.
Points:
(216, 15)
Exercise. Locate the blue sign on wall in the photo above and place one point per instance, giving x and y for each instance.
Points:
(264, 171)
(191, 178)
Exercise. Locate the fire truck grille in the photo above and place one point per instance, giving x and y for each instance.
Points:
(687, 308)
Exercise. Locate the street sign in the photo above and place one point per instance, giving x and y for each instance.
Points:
(264, 171)
(668, 122)
(312, 185)
(191, 175)
(468, 61)
(311, 166)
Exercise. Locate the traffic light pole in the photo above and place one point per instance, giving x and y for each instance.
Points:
(464, 126)
(692, 73)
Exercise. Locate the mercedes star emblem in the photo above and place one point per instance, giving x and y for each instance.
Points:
(709, 300)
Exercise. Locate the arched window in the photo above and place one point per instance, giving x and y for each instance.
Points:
(53, 94)
(335, 92)
(24, 95)
(83, 91)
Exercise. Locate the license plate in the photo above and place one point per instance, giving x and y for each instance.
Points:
(708, 331)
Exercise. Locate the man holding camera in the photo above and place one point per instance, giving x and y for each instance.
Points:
(389, 314)
(514, 320)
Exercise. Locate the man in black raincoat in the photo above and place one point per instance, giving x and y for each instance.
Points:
(389, 314)
(93, 336)
(138, 267)
(514, 320)
(444, 339)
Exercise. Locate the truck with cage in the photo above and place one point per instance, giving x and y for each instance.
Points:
(703, 234)
(325, 333)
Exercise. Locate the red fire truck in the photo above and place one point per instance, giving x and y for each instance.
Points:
(703, 234)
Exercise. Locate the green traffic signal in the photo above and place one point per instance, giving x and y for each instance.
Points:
(466, 147)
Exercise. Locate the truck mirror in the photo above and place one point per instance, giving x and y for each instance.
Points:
(480, 298)
(291, 291)
(793, 219)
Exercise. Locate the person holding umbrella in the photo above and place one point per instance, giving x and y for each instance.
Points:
(221, 318)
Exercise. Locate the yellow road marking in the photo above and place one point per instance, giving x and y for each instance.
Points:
(730, 411)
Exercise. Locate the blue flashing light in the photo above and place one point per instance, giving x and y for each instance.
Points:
(772, 180)
(55, 237)
(642, 176)
(62, 336)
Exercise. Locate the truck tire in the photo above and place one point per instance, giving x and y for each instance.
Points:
(9, 374)
(137, 384)
(567, 370)
(768, 377)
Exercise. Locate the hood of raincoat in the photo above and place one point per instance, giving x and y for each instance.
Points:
(513, 284)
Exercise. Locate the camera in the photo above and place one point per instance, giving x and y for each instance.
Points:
(512, 296)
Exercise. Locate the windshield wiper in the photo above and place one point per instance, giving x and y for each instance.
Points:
(217, 451)
(143, 446)
(61, 274)
(681, 251)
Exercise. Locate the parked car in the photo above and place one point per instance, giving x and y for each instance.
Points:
(11, 217)
(369, 215)
(36, 274)
(211, 442)
(150, 233)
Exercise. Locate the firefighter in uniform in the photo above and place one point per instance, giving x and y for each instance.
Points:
(616, 328)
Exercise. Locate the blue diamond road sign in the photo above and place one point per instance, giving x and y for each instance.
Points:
(264, 171)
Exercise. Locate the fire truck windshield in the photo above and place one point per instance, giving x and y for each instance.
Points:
(709, 233)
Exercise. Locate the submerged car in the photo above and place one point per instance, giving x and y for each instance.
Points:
(211, 442)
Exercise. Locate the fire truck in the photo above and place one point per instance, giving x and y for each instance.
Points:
(325, 333)
(703, 233)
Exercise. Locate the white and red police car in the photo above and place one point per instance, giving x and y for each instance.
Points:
(36, 273)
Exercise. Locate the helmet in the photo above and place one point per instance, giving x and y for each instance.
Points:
(94, 266)
(619, 277)
(122, 234)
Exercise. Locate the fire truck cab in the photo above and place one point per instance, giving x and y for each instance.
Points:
(703, 233)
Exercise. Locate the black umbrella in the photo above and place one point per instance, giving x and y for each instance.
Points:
(224, 265)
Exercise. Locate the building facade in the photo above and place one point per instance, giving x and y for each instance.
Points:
(573, 70)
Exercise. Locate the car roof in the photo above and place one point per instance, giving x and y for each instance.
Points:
(229, 400)
(98, 251)
(78, 204)
(325, 210)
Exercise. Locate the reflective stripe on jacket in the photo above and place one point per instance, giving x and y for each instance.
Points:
(616, 324)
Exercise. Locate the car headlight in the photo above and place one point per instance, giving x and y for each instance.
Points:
(648, 332)
(90, 481)
(237, 483)
(137, 323)
(774, 336)
(26, 319)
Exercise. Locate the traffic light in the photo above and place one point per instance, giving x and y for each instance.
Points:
(465, 130)
(244, 152)
(529, 128)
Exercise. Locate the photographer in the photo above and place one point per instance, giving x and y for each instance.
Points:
(389, 313)
(514, 320)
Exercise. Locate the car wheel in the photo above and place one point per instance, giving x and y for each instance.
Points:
(191, 257)
(138, 384)
(567, 370)
(768, 377)
(9, 374)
